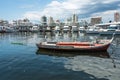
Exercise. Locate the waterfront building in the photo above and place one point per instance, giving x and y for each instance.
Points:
(68, 21)
(6, 27)
(43, 23)
(4, 23)
(75, 24)
(57, 26)
(72, 23)
(57, 23)
(116, 16)
(96, 20)
(51, 23)
(74, 20)
(83, 23)
(22, 25)
(67, 24)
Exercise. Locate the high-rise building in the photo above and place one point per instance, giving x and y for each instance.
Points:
(96, 20)
(44, 21)
(68, 21)
(51, 22)
(57, 22)
(74, 18)
(116, 16)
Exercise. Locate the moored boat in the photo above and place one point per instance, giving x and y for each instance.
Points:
(110, 30)
(74, 46)
(100, 46)
(97, 47)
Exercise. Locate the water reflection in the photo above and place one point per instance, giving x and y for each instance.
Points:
(52, 36)
(99, 67)
(71, 54)
(23, 62)
(31, 39)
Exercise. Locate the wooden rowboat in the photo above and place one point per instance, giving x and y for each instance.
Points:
(74, 46)
(100, 46)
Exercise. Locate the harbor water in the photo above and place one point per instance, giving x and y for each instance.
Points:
(20, 59)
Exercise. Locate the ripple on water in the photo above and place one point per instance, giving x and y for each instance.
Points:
(99, 67)
(20, 62)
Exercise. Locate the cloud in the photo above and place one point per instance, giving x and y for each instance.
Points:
(84, 9)
(58, 9)
(108, 1)
(32, 15)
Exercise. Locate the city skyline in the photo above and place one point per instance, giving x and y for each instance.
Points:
(58, 9)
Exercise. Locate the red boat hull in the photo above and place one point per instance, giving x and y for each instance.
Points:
(99, 46)
(99, 52)
(73, 47)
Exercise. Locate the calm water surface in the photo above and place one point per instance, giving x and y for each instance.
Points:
(19, 59)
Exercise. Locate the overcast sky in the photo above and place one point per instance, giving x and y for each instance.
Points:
(59, 9)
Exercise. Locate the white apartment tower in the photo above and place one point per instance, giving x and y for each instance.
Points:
(74, 19)
(44, 21)
(51, 21)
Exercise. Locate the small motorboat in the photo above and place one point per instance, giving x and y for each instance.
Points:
(100, 46)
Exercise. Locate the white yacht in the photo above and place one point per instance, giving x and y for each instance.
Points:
(74, 29)
(66, 28)
(2, 29)
(48, 29)
(82, 29)
(93, 30)
(111, 29)
(34, 29)
(6, 29)
(57, 28)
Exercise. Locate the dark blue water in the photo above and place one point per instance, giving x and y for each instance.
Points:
(19, 59)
